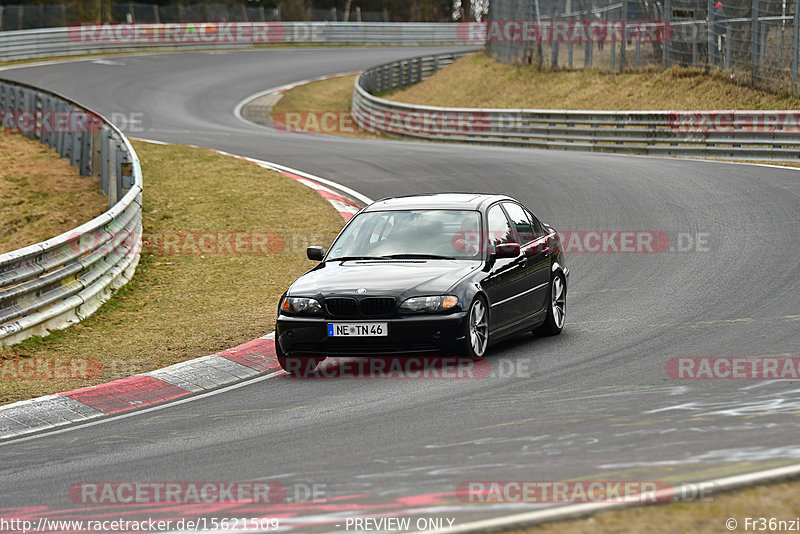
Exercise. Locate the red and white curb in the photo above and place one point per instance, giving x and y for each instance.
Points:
(201, 374)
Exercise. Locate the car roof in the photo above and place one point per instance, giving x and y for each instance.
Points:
(464, 201)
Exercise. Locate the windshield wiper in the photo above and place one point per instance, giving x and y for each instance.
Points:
(420, 256)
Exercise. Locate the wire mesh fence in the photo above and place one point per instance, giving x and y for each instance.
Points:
(754, 40)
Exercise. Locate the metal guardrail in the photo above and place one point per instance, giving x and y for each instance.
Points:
(761, 135)
(129, 37)
(51, 284)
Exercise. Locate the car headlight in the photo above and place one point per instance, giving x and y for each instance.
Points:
(301, 305)
(432, 304)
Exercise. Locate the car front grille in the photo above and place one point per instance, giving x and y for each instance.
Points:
(368, 307)
(377, 306)
(341, 307)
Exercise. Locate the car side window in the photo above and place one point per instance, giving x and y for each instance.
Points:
(521, 222)
(535, 224)
(499, 228)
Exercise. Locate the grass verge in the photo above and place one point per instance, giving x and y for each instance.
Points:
(319, 107)
(41, 195)
(184, 303)
(479, 81)
(777, 501)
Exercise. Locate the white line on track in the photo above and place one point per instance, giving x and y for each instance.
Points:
(167, 404)
(576, 511)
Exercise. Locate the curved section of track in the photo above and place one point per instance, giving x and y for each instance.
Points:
(594, 403)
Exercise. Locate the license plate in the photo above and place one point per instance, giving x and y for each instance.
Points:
(358, 329)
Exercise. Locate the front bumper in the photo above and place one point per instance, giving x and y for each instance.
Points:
(412, 335)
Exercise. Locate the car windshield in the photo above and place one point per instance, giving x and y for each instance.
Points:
(424, 234)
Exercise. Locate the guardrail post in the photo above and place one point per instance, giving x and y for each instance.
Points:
(58, 135)
(97, 144)
(113, 172)
(66, 138)
(52, 107)
(76, 141)
(795, 44)
(38, 105)
(105, 148)
(46, 134)
(124, 172)
(30, 107)
(14, 103)
(85, 162)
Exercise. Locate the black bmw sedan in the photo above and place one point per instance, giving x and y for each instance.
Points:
(444, 274)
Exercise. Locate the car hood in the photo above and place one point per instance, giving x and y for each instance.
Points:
(396, 278)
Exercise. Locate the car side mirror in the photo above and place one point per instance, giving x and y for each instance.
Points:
(316, 253)
(506, 250)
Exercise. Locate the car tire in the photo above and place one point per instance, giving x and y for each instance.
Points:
(556, 307)
(476, 329)
(299, 366)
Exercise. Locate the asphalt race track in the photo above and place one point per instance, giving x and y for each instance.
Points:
(595, 403)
